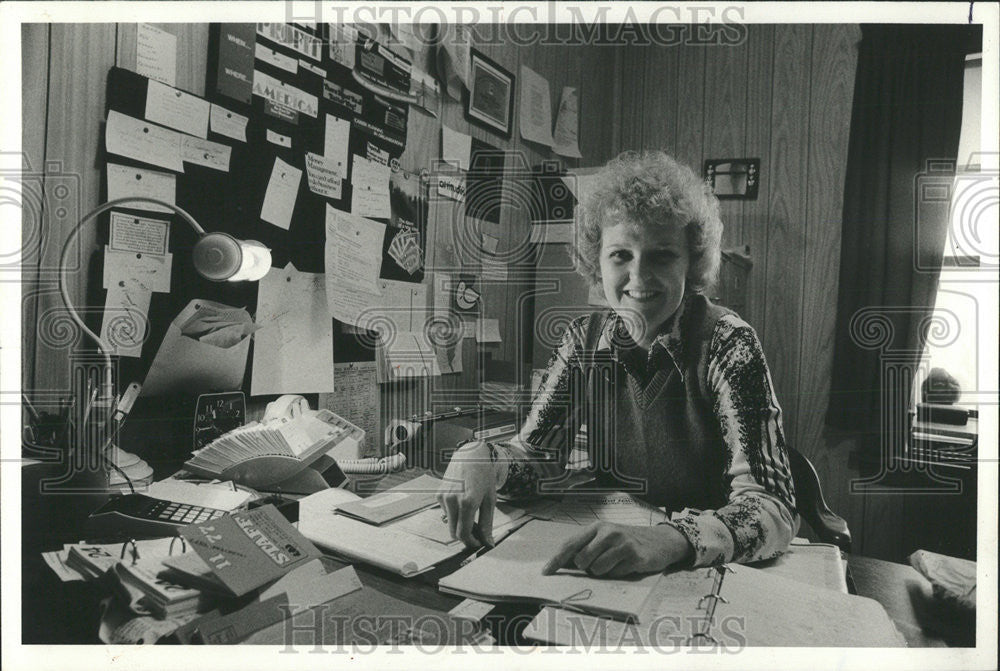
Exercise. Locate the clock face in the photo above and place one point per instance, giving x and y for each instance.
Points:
(215, 414)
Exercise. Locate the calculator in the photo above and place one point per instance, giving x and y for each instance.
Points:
(137, 514)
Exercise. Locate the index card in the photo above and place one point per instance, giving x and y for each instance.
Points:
(282, 190)
(150, 271)
(370, 188)
(337, 140)
(536, 108)
(353, 251)
(293, 348)
(456, 147)
(138, 234)
(321, 174)
(126, 182)
(123, 326)
(143, 141)
(565, 141)
(177, 109)
(228, 123)
(205, 153)
(156, 54)
(488, 330)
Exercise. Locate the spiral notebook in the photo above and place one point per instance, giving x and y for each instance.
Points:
(729, 607)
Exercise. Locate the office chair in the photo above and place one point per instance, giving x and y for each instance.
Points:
(811, 506)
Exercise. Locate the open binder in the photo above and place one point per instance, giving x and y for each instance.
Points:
(730, 607)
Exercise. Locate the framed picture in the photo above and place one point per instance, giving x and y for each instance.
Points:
(491, 95)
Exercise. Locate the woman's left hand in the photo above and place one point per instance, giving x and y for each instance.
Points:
(616, 550)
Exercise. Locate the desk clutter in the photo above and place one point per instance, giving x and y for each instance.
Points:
(240, 575)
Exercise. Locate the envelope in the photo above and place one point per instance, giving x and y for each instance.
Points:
(196, 359)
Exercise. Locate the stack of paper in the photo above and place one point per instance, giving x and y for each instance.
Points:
(163, 598)
(308, 435)
(93, 561)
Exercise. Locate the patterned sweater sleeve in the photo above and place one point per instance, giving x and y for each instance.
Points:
(540, 449)
(758, 521)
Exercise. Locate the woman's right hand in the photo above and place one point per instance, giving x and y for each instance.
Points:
(469, 490)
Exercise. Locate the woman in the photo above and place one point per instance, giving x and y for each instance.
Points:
(697, 424)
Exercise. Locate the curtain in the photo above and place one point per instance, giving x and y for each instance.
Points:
(905, 124)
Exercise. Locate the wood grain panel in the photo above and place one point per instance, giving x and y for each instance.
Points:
(760, 71)
(632, 92)
(690, 105)
(599, 113)
(725, 119)
(834, 60)
(34, 101)
(659, 92)
(786, 232)
(80, 56)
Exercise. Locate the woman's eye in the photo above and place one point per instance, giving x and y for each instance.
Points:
(619, 255)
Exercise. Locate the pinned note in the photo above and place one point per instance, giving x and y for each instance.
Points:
(488, 331)
(177, 109)
(565, 142)
(343, 39)
(278, 60)
(452, 186)
(206, 153)
(228, 123)
(279, 139)
(282, 190)
(149, 271)
(125, 322)
(353, 251)
(408, 354)
(337, 138)
(456, 147)
(490, 243)
(156, 54)
(126, 182)
(138, 234)
(370, 189)
(536, 108)
(396, 308)
(323, 177)
(143, 141)
(293, 348)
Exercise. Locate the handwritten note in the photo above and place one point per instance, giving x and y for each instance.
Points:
(282, 190)
(353, 251)
(124, 182)
(177, 109)
(150, 271)
(323, 177)
(156, 54)
(228, 123)
(370, 188)
(536, 108)
(206, 153)
(138, 234)
(124, 325)
(336, 142)
(293, 350)
(565, 141)
(143, 141)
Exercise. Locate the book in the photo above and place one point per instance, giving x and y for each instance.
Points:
(249, 548)
(512, 571)
(732, 608)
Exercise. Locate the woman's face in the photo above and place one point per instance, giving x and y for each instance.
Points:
(643, 269)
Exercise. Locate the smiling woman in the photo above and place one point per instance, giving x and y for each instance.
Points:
(689, 412)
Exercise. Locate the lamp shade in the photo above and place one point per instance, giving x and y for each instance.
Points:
(221, 257)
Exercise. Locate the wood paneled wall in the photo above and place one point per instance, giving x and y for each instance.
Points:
(783, 95)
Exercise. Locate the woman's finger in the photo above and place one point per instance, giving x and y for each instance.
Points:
(568, 550)
(466, 519)
(486, 519)
(450, 507)
(601, 543)
(606, 562)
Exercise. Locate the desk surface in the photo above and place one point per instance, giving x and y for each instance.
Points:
(57, 612)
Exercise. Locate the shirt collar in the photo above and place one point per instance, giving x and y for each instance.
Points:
(615, 338)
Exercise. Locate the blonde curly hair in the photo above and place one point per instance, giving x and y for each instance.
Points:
(651, 189)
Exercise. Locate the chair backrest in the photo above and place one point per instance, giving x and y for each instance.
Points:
(811, 506)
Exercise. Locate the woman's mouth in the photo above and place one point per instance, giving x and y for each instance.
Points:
(641, 296)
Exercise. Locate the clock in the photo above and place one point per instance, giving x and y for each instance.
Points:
(215, 414)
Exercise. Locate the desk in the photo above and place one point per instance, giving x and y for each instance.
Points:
(57, 612)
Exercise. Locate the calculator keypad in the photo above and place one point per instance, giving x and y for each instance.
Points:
(183, 513)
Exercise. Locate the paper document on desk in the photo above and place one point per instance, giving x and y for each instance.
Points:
(205, 349)
(512, 571)
(585, 509)
(816, 564)
(400, 501)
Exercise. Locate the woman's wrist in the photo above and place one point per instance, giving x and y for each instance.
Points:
(679, 548)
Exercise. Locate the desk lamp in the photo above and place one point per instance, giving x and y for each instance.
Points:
(217, 256)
